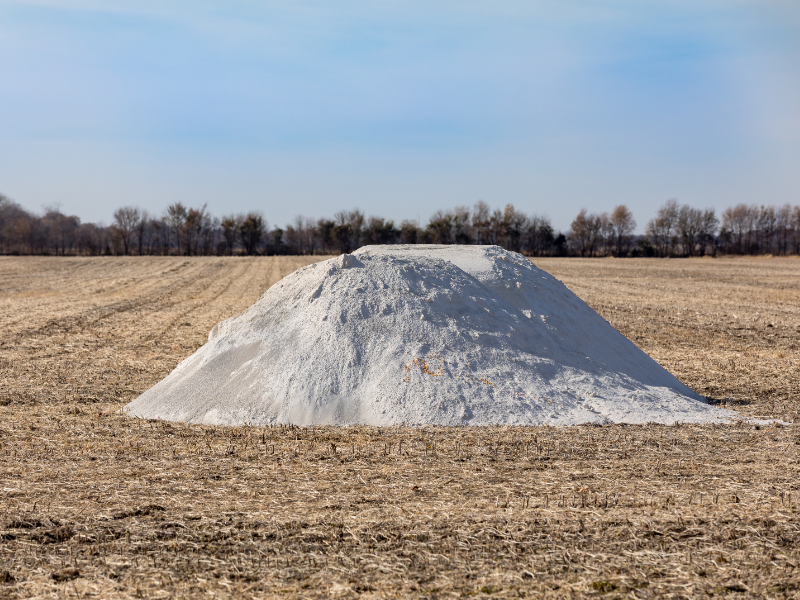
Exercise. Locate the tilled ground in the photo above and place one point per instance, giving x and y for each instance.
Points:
(95, 504)
(728, 328)
(106, 329)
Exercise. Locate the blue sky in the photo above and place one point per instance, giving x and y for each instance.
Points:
(399, 108)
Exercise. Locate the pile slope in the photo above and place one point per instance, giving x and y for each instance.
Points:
(421, 335)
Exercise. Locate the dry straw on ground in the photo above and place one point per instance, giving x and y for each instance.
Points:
(98, 505)
(728, 328)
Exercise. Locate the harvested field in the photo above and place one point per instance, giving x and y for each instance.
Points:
(98, 505)
(728, 328)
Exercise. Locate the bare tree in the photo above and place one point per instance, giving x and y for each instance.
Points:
(275, 242)
(348, 229)
(708, 231)
(304, 233)
(160, 234)
(606, 236)
(513, 228)
(324, 233)
(410, 232)
(539, 235)
(688, 226)
(13, 221)
(766, 222)
(379, 231)
(783, 224)
(796, 229)
(195, 224)
(176, 215)
(142, 229)
(230, 231)
(580, 231)
(462, 227)
(662, 230)
(251, 230)
(193, 231)
(91, 239)
(59, 231)
(440, 228)
(481, 223)
(126, 220)
(739, 221)
(623, 225)
(586, 231)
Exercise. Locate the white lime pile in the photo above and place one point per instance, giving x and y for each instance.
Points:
(421, 335)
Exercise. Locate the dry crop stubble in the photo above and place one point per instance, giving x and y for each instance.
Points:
(95, 504)
(109, 328)
(728, 328)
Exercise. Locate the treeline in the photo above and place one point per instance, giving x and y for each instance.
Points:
(188, 231)
(675, 231)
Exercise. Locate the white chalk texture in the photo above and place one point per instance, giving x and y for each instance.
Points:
(444, 335)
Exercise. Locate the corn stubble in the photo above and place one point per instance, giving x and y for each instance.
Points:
(95, 504)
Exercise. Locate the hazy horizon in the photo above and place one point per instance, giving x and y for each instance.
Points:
(399, 109)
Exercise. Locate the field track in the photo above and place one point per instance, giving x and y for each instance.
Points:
(93, 504)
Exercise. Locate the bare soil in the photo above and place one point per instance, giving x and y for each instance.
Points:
(95, 504)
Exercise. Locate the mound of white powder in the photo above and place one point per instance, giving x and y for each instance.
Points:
(421, 335)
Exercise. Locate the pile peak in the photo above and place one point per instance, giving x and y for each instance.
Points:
(421, 334)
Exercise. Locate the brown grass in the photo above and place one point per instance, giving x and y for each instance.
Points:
(95, 504)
